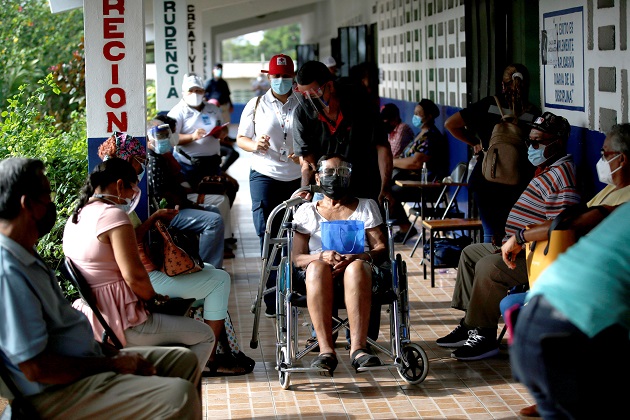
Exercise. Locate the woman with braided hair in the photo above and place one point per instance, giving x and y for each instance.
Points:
(473, 126)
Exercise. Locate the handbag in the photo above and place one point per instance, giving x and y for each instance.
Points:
(541, 254)
(176, 259)
(343, 236)
(213, 184)
(173, 306)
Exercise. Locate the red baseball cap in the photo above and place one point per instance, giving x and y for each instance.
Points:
(280, 64)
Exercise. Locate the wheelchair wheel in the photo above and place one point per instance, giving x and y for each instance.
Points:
(283, 377)
(415, 364)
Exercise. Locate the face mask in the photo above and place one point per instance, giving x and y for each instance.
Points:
(335, 186)
(536, 156)
(416, 121)
(603, 170)
(217, 73)
(282, 85)
(130, 203)
(163, 146)
(194, 99)
(46, 223)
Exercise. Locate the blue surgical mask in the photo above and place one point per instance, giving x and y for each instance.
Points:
(163, 146)
(416, 121)
(536, 156)
(281, 86)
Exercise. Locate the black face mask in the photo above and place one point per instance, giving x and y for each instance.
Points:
(46, 223)
(335, 186)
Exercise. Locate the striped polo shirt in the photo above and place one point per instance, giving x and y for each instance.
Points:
(551, 191)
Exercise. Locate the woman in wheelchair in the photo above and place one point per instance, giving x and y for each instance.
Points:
(323, 270)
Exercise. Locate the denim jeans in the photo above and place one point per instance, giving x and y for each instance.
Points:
(266, 194)
(569, 374)
(209, 226)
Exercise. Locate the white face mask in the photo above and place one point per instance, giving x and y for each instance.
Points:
(130, 203)
(194, 99)
(603, 170)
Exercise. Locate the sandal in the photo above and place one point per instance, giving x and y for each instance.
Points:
(223, 366)
(363, 359)
(327, 361)
(242, 360)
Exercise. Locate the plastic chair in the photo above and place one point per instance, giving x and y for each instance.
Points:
(85, 291)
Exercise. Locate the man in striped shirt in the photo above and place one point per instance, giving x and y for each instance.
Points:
(483, 279)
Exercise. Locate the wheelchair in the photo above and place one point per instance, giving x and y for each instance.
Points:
(408, 358)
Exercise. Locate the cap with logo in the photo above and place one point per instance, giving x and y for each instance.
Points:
(280, 64)
(191, 81)
(552, 124)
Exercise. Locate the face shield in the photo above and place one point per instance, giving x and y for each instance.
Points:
(311, 101)
(161, 138)
(334, 180)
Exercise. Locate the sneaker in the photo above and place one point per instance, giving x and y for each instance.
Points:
(477, 347)
(399, 236)
(270, 312)
(455, 338)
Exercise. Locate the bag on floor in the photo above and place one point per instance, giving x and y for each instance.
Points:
(446, 251)
(176, 260)
(503, 161)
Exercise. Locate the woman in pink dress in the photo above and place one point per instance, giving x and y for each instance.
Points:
(99, 238)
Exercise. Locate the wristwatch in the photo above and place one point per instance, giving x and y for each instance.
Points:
(520, 237)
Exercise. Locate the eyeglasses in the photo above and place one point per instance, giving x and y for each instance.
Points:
(340, 171)
(536, 143)
(605, 153)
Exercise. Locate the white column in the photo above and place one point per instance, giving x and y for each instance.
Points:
(114, 73)
(195, 38)
(171, 57)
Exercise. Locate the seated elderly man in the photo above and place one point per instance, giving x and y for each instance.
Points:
(328, 270)
(48, 346)
(483, 279)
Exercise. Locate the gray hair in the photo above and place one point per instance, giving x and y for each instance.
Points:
(619, 136)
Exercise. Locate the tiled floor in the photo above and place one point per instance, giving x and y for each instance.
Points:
(452, 389)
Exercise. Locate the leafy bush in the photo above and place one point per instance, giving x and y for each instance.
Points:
(26, 132)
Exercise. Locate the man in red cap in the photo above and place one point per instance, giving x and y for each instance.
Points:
(266, 130)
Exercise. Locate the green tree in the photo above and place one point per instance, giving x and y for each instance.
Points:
(32, 39)
(280, 40)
